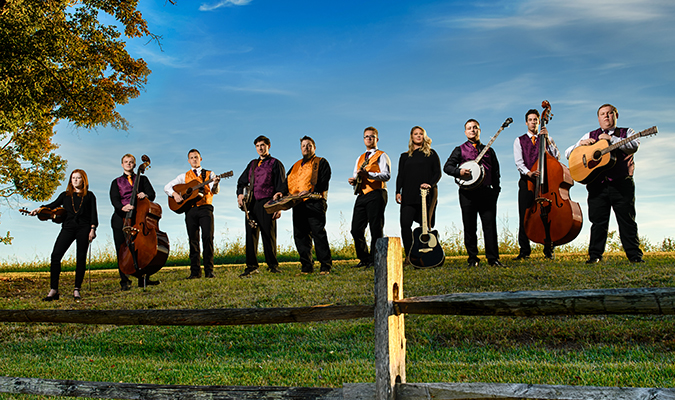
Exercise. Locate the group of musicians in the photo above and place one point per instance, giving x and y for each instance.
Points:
(265, 180)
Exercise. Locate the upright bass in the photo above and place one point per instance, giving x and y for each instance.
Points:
(553, 219)
(145, 248)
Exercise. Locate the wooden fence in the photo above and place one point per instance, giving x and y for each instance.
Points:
(390, 344)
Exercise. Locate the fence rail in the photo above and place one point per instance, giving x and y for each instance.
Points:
(390, 343)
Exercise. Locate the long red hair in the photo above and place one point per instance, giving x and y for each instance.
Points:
(85, 183)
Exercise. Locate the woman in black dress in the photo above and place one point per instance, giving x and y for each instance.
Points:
(79, 225)
(418, 168)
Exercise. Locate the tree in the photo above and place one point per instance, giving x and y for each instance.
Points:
(58, 61)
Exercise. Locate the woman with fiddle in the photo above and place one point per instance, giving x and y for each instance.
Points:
(418, 168)
(120, 196)
(79, 226)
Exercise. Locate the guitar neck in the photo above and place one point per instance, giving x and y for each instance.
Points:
(492, 140)
(425, 229)
(206, 182)
(646, 132)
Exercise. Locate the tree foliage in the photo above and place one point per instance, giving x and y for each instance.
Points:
(60, 61)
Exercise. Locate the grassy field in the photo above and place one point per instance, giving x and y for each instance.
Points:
(637, 351)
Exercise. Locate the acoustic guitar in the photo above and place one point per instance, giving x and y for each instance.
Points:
(588, 162)
(191, 193)
(426, 250)
(477, 170)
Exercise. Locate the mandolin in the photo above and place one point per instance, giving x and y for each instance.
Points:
(477, 170)
(56, 215)
(426, 250)
(587, 162)
(191, 193)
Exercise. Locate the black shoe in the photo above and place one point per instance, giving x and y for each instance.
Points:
(148, 282)
(248, 272)
(124, 286)
(593, 260)
(637, 260)
(521, 257)
(496, 263)
(473, 263)
(548, 256)
(361, 264)
(274, 270)
(210, 275)
(51, 298)
(193, 276)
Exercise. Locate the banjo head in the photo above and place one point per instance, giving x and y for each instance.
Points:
(477, 175)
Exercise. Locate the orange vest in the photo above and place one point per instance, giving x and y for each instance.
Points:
(368, 185)
(303, 177)
(208, 196)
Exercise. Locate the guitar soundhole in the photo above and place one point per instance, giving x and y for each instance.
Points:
(597, 155)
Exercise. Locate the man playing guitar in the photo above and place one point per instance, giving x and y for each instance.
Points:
(371, 172)
(614, 189)
(200, 215)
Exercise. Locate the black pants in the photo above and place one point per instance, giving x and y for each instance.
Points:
(267, 229)
(618, 195)
(480, 202)
(119, 238)
(413, 213)
(525, 201)
(67, 236)
(368, 210)
(197, 218)
(309, 222)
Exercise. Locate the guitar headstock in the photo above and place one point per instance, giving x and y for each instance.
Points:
(649, 131)
(226, 174)
(508, 122)
(424, 192)
(24, 211)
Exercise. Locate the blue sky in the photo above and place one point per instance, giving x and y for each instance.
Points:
(228, 71)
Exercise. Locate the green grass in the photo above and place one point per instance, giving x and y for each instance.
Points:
(637, 351)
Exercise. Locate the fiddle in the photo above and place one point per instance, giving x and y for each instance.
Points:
(56, 215)
(553, 219)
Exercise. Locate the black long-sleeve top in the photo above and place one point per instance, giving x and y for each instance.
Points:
(451, 166)
(144, 186)
(80, 211)
(278, 177)
(415, 170)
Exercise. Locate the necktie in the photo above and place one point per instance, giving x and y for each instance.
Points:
(131, 181)
(534, 140)
(367, 156)
(196, 174)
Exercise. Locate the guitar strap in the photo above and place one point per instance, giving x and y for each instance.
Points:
(204, 174)
(315, 170)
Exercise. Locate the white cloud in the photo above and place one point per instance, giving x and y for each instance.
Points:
(554, 13)
(223, 3)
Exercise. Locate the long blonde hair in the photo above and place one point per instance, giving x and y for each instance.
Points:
(426, 143)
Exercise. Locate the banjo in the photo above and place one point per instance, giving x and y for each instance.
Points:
(477, 170)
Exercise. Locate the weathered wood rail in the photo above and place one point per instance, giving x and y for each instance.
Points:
(390, 344)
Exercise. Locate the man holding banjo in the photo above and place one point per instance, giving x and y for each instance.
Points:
(479, 198)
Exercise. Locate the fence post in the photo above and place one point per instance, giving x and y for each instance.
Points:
(389, 325)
